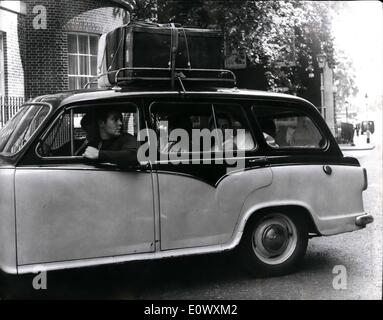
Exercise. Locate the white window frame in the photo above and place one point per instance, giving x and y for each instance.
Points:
(2, 65)
(78, 55)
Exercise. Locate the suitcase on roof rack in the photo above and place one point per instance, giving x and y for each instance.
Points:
(148, 45)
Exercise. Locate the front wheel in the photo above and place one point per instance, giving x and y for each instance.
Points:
(274, 244)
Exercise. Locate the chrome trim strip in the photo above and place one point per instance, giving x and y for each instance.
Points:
(201, 160)
(71, 123)
(157, 212)
(118, 259)
(90, 168)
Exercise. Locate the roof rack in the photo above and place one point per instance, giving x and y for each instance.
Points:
(168, 74)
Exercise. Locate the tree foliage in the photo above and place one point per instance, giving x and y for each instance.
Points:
(344, 78)
(271, 32)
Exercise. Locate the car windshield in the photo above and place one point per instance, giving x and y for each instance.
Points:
(17, 132)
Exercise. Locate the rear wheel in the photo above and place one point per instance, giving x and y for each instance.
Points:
(274, 244)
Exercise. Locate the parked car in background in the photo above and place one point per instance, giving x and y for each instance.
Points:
(367, 125)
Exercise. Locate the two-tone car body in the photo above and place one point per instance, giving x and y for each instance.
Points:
(58, 210)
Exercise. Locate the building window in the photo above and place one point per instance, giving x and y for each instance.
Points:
(82, 59)
(2, 69)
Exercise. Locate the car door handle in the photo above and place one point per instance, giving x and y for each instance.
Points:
(259, 161)
(327, 170)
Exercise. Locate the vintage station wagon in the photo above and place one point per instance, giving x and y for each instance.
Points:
(59, 210)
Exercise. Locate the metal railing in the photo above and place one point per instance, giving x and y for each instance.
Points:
(8, 107)
(168, 74)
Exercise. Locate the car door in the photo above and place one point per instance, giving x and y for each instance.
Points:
(70, 209)
(201, 199)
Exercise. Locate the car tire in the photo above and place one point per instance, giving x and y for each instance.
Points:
(274, 244)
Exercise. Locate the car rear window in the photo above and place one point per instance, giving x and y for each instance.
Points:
(288, 127)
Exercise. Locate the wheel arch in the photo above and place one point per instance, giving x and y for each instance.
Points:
(282, 208)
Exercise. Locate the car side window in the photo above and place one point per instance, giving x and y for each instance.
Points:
(73, 129)
(174, 124)
(285, 127)
(230, 117)
(204, 118)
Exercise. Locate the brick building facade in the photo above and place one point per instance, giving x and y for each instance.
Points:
(11, 49)
(48, 46)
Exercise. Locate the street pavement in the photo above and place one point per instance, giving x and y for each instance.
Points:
(219, 277)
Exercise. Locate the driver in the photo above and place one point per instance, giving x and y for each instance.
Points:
(108, 143)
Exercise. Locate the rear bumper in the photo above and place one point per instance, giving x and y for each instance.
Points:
(363, 220)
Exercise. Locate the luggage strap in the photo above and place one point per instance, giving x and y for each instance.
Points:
(173, 53)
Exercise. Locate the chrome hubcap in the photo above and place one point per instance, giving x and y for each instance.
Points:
(275, 239)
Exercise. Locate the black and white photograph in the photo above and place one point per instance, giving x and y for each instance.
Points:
(199, 153)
